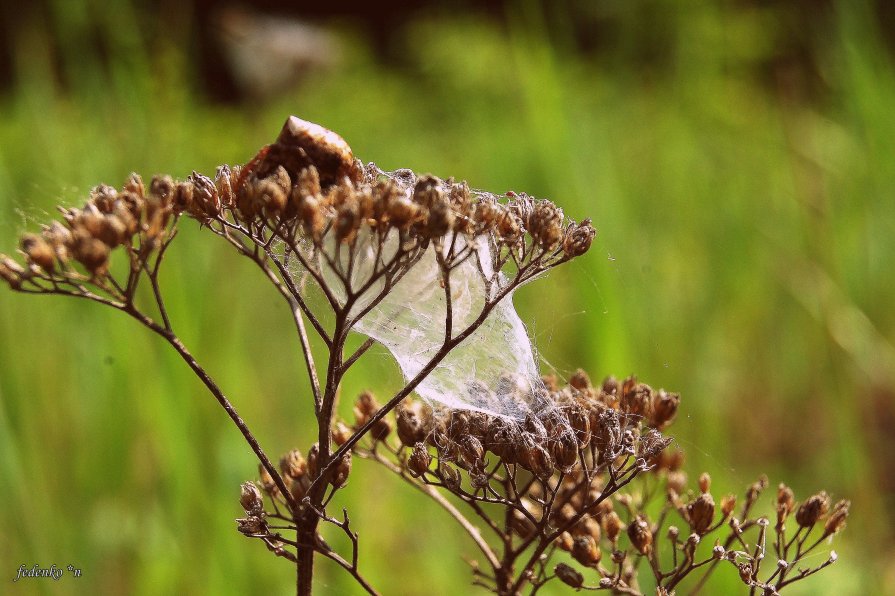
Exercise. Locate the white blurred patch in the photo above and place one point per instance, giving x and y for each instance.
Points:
(270, 54)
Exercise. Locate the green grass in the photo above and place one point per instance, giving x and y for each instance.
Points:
(743, 259)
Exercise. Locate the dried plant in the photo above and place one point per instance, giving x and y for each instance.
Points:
(426, 267)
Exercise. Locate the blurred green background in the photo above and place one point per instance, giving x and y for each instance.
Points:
(737, 158)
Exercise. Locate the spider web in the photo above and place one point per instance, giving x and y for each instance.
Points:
(493, 370)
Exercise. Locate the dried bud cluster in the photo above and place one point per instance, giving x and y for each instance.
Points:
(132, 217)
(558, 475)
(576, 421)
(306, 185)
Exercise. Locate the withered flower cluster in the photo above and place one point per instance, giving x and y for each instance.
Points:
(77, 250)
(586, 476)
(306, 188)
(594, 478)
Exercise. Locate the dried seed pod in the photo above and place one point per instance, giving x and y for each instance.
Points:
(612, 526)
(206, 199)
(565, 542)
(131, 224)
(134, 184)
(651, 444)
(250, 498)
(298, 487)
(310, 212)
(92, 253)
(419, 460)
(663, 408)
(607, 433)
(472, 454)
(223, 183)
(381, 429)
(293, 464)
(564, 450)
(162, 187)
(636, 399)
(383, 193)
(838, 517)
(403, 213)
(503, 443)
(364, 198)
(814, 508)
(38, 251)
(728, 503)
(536, 459)
(588, 526)
(155, 218)
(611, 386)
(427, 191)
(509, 228)
(340, 433)
(580, 381)
(11, 271)
(604, 506)
(364, 408)
(551, 382)
(343, 469)
(440, 219)
(267, 483)
(705, 482)
(309, 182)
(347, 221)
(521, 525)
(640, 535)
(586, 551)
(134, 204)
(59, 237)
(103, 197)
(479, 425)
(487, 213)
(786, 502)
(673, 533)
(578, 239)
(545, 224)
(568, 575)
(409, 419)
(701, 512)
(745, 570)
(755, 489)
(183, 197)
(579, 420)
(248, 198)
(114, 230)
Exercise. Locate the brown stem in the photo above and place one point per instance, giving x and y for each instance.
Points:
(306, 537)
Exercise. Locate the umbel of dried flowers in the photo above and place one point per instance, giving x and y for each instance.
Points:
(557, 485)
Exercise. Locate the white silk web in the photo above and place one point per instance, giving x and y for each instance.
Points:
(491, 371)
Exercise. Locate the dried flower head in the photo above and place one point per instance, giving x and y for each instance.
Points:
(543, 466)
(814, 508)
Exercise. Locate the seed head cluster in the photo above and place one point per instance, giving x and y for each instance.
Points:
(584, 474)
(307, 186)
